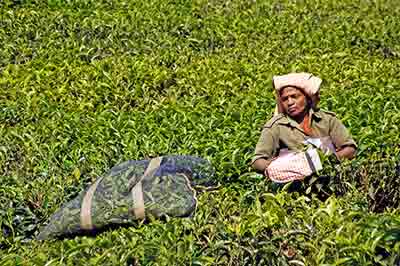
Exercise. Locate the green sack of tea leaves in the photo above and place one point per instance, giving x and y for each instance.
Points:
(163, 186)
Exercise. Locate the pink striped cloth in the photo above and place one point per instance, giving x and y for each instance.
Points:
(290, 166)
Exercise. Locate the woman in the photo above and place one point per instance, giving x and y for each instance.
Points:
(298, 120)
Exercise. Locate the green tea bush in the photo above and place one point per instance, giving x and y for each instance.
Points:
(88, 84)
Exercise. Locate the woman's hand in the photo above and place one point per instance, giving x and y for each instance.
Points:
(260, 165)
(347, 152)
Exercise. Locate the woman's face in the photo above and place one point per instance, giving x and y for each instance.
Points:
(293, 101)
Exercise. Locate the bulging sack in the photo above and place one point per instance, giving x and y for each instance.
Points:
(291, 166)
(163, 186)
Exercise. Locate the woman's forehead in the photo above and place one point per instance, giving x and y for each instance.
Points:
(290, 90)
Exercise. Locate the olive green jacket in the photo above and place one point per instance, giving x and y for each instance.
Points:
(282, 132)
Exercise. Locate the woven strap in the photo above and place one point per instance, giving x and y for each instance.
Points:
(86, 209)
(310, 162)
(137, 190)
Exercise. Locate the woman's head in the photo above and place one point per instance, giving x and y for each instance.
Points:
(294, 101)
(294, 87)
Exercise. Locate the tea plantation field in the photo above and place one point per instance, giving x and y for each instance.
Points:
(87, 84)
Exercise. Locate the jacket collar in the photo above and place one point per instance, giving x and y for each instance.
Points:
(314, 114)
(286, 120)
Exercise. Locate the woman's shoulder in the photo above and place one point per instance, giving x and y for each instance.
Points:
(325, 114)
(329, 119)
(275, 120)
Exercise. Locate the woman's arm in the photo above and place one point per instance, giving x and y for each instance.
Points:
(341, 138)
(266, 148)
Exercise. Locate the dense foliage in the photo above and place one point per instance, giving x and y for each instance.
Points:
(88, 84)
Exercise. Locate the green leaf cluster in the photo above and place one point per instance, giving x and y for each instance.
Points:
(88, 84)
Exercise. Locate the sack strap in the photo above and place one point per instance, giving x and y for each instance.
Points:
(137, 196)
(137, 190)
(310, 162)
(86, 208)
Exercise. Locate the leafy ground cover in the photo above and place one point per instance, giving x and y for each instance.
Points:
(88, 84)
